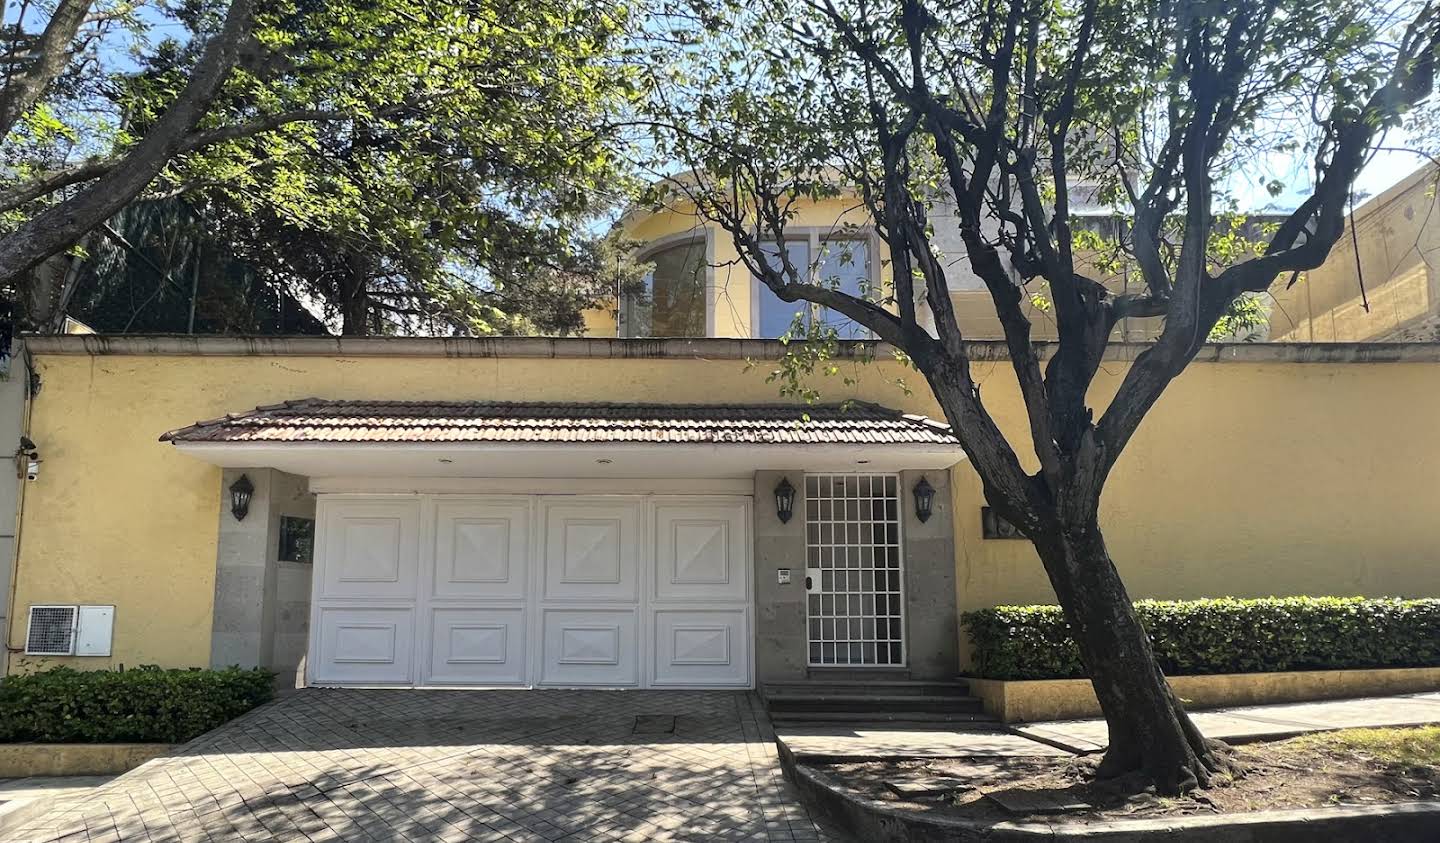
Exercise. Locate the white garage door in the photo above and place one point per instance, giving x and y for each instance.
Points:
(550, 590)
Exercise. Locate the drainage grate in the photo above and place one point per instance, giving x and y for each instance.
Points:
(654, 724)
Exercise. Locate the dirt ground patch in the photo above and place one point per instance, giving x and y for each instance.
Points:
(1355, 767)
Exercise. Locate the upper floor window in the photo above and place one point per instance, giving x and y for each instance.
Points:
(670, 300)
(840, 263)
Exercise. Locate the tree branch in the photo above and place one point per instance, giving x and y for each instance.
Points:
(53, 53)
(1319, 220)
(47, 183)
(62, 224)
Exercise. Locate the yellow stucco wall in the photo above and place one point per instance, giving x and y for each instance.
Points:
(119, 517)
(1249, 481)
(1249, 478)
(1399, 237)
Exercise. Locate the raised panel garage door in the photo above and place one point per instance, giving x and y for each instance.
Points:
(550, 590)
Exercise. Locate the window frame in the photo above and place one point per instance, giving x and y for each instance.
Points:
(669, 241)
(816, 236)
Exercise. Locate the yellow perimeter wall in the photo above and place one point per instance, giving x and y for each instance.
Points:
(1248, 479)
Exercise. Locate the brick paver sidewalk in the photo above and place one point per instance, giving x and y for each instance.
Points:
(459, 765)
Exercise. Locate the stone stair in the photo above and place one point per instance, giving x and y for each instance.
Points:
(889, 702)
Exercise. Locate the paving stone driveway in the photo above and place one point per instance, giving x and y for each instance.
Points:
(460, 765)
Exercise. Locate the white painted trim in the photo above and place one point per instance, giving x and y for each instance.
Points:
(564, 460)
(529, 486)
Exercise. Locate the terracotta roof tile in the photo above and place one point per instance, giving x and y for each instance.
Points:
(319, 420)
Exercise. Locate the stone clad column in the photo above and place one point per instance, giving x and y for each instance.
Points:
(780, 637)
(931, 623)
(261, 611)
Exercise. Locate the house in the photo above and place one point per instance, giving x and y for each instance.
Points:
(1391, 293)
(649, 512)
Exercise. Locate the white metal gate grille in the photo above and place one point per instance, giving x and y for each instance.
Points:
(854, 600)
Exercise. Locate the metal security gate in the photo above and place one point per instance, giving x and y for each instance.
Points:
(855, 599)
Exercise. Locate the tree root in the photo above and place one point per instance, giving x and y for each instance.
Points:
(1214, 761)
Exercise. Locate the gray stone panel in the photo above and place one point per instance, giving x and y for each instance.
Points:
(262, 605)
(780, 637)
(930, 615)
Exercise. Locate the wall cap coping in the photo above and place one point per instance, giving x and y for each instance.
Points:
(183, 345)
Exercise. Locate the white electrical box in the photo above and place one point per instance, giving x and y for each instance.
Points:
(93, 630)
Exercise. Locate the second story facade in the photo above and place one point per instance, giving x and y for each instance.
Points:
(699, 286)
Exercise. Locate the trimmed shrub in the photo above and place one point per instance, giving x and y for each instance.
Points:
(141, 705)
(1224, 635)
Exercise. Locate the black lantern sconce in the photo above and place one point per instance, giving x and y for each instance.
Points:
(924, 500)
(784, 500)
(240, 492)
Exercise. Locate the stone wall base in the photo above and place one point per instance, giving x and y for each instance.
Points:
(20, 760)
(1029, 700)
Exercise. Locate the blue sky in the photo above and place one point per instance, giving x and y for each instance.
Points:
(1388, 167)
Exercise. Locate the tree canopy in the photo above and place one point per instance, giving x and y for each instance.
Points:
(440, 165)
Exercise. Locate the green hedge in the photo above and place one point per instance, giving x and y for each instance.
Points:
(142, 705)
(1225, 635)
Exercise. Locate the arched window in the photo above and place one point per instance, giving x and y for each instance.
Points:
(670, 300)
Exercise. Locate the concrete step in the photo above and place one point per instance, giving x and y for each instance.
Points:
(838, 673)
(920, 719)
(893, 687)
(777, 703)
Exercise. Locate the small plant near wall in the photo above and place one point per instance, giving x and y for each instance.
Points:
(141, 705)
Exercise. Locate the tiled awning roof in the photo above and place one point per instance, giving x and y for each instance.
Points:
(319, 420)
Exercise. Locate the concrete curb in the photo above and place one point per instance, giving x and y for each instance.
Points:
(1019, 701)
(874, 820)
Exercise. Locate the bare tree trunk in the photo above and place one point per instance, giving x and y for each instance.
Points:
(52, 53)
(1149, 730)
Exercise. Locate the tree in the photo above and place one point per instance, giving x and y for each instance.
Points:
(389, 161)
(114, 181)
(1014, 112)
(156, 267)
(498, 163)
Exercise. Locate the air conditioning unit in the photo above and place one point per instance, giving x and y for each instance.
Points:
(70, 630)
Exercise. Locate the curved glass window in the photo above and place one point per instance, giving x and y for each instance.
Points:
(670, 300)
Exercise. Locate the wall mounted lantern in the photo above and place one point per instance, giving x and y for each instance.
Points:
(924, 500)
(27, 460)
(784, 500)
(240, 492)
